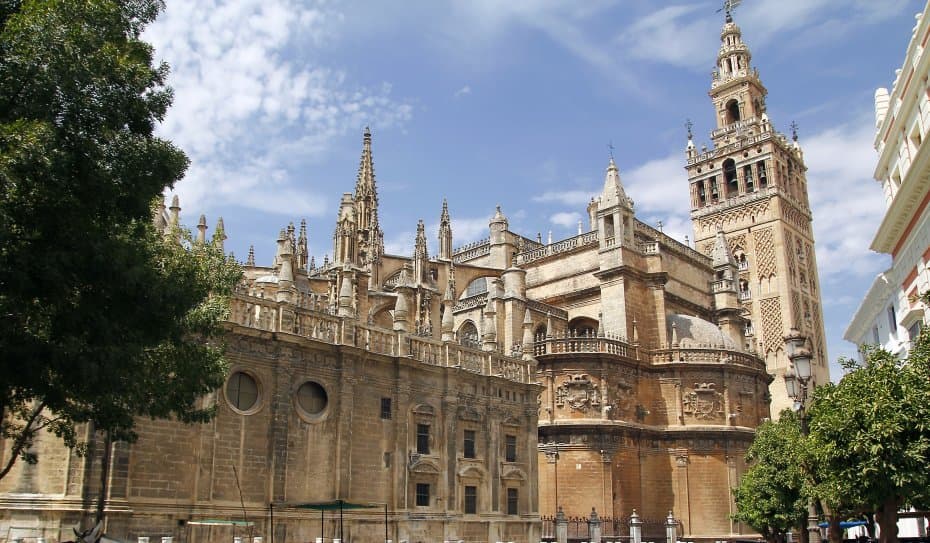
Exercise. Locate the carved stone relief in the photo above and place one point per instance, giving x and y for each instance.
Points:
(579, 393)
(703, 402)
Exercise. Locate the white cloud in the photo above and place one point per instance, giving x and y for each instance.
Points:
(566, 197)
(675, 35)
(847, 204)
(463, 91)
(567, 219)
(248, 110)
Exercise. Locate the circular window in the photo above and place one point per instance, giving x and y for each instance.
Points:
(242, 391)
(312, 398)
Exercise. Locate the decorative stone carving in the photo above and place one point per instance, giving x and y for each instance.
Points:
(579, 392)
(703, 402)
(623, 398)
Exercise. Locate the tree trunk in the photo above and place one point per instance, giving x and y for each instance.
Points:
(834, 532)
(803, 536)
(888, 521)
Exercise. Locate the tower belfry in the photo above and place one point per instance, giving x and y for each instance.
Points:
(751, 186)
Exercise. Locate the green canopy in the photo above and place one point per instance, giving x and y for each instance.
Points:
(335, 505)
(218, 522)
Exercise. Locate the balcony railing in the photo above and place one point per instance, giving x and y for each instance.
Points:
(284, 318)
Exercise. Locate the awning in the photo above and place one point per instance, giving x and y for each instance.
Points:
(335, 505)
(845, 524)
(218, 522)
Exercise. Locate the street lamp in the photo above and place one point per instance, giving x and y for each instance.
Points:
(796, 380)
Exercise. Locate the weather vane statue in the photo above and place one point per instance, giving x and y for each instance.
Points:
(728, 7)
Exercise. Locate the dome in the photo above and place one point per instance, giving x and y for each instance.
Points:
(696, 332)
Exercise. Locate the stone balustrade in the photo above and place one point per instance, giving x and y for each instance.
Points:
(586, 344)
(472, 250)
(706, 354)
(478, 300)
(725, 149)
(282, 318)
(563, 246)
(453, 355)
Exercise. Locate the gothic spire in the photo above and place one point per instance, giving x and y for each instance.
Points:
(365, 182)
(202, 229)
(419, 248)
(613, 193)
(721, 254)
(445, 233)
(302, 246)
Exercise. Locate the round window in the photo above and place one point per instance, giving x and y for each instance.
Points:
(242, 391)
(312, 398)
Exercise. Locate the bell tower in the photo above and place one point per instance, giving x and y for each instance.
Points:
(751, 186)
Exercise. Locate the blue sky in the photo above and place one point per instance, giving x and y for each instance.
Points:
(514, 103)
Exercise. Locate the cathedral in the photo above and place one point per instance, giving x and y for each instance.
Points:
(467, 395)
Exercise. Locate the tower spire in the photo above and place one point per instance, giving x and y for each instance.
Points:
(370, 240)
(445, 233)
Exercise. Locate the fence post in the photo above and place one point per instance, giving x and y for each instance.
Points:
(561, 526)
(594, 527)
(636, 528)
(671, 528)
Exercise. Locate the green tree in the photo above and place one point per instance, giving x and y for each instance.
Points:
(104, 317)
(870, 436)
(771, 496)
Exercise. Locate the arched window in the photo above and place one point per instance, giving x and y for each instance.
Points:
(729, 176)
(476, 287)
(468, 334)
(732, 111)
(744, 292)
(540, 333)
(583, 326)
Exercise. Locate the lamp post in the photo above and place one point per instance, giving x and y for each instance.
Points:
(797, 378)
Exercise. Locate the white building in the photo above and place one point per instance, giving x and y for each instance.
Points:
(891, 314)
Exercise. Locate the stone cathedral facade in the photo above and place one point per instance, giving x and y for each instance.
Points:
(463, 395)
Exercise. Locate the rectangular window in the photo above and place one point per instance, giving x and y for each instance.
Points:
(422, 494)
(469, 445)
(892, 321)
(510, 448)
(385, 408)
(471, 500)
(512, 501)
(423, 438)
(914, 331)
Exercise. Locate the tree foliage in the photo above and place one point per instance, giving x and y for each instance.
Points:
(104, 317)
(871, 435)
(771, 495)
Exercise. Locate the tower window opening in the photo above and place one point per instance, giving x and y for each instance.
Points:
(763, 180)
(714, 192)
(747, 174)
(609, 226)
(702, 193)
(732, 111)
(742, 262)
(729, 176)
(744, 292)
